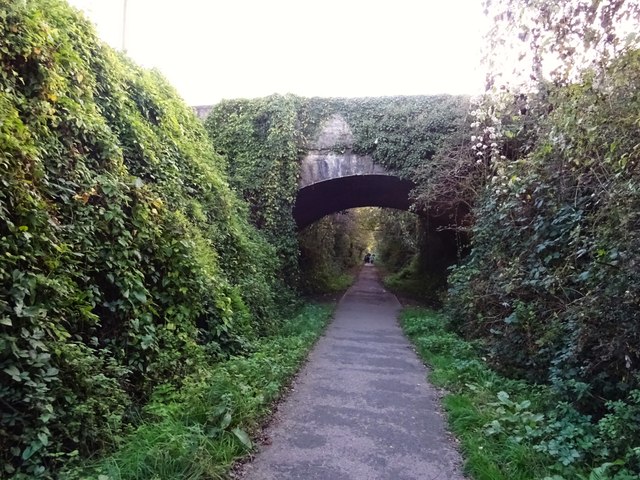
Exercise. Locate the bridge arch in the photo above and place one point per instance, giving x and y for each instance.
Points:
(341, 193)
(333, 177)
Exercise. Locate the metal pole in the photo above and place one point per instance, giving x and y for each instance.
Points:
(124, 26)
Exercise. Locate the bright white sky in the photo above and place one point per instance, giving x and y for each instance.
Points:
(214, 49)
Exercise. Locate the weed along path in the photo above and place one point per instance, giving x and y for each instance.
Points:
(361, 408)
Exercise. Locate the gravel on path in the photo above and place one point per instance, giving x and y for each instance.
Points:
(361, 408)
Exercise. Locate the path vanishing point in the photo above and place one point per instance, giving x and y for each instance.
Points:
(361, 408)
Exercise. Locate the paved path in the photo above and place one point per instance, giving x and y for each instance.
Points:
(361, 408)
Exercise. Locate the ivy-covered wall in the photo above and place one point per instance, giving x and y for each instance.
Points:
(126, 260)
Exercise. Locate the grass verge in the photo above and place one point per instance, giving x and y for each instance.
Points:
(513, 430)
(199, 431)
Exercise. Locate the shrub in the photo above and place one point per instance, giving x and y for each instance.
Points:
(126, 260)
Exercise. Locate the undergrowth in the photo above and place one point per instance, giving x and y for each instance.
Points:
(333, 283)
(421, 286)
(514, 430)
(198, 431)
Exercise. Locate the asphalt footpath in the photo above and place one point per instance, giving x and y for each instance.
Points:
(361, 408)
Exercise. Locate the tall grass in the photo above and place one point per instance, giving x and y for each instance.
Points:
(199, 431)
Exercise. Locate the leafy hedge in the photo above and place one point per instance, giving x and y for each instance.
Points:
(551, 282)
(125, 261)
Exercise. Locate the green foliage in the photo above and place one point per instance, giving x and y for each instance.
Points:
(414, 255)
(554, 234)
(424, 285)
(547, 282)
(397, 239)
(515, 429)
(330, 249)
(198, 431)
(126, 260)
(261, 141)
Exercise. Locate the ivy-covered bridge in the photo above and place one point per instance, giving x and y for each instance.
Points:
(339, 153)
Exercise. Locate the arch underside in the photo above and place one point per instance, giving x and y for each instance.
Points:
(323, 198)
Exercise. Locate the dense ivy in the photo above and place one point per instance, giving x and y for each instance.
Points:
(261, 140)
(400, 133)
(126, 261)
(550, 282)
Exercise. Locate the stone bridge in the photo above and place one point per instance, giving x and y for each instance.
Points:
(334, 178)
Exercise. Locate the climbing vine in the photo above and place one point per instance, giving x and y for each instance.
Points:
(124, 254)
